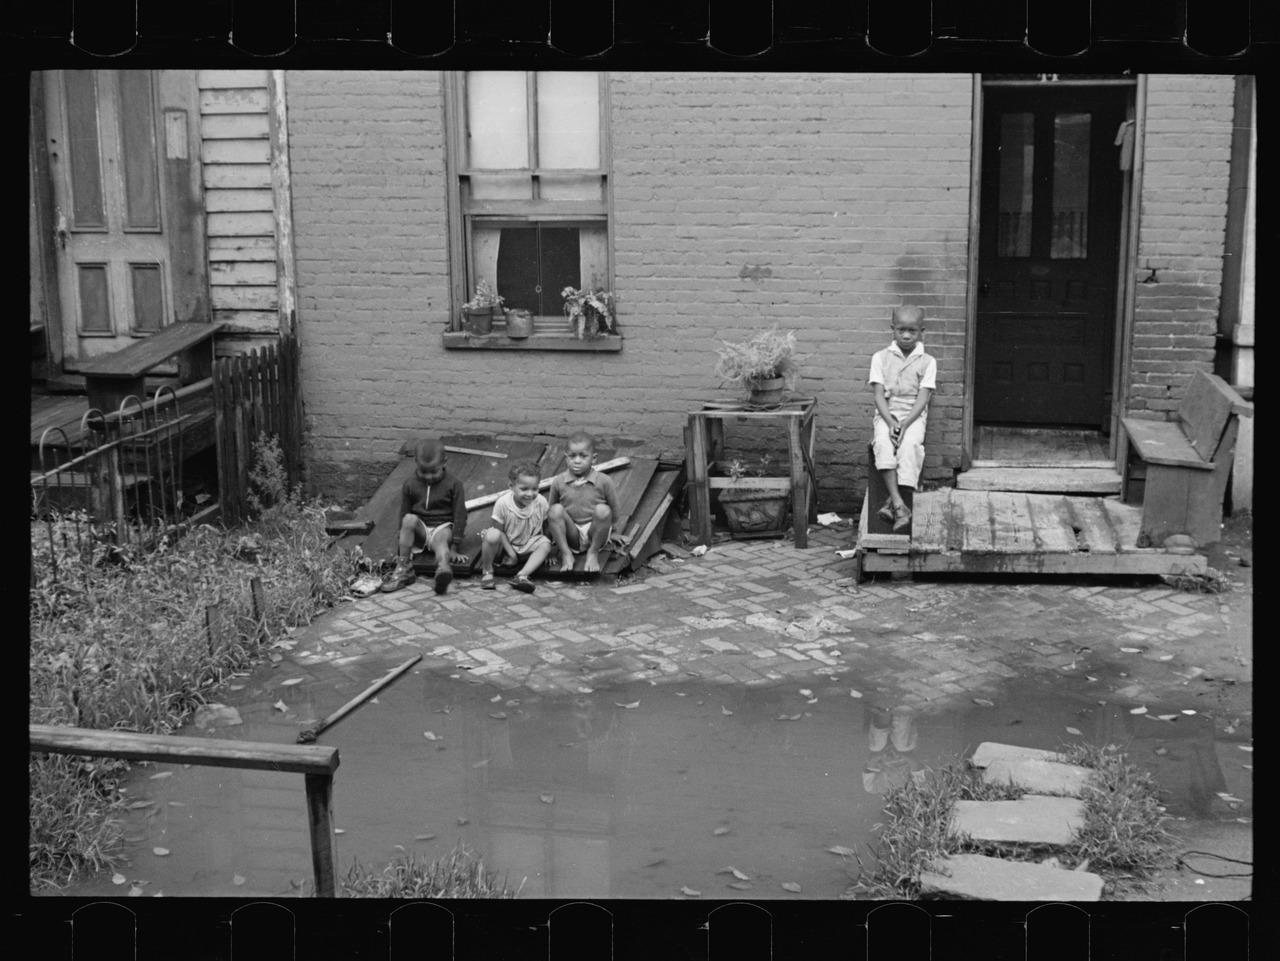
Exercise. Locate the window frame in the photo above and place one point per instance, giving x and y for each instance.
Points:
(461, 209)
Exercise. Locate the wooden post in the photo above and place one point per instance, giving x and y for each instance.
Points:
(115, 485)
(240, 414)
(259, 607)
(799, 484)
(320, 821)
(215, 623)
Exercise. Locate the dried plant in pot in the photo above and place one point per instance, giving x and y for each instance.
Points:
(592, 311)
(750, 509)
(765, 364)
(479, 311)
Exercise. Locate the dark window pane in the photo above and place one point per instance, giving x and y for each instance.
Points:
(138, 139)
(535, 263)
(95, 300)
(148, 297)
(1070, 238)
(1017, 165)
(83, 149)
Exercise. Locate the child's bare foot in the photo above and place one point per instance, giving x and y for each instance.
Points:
(566, 561)
(591, 563)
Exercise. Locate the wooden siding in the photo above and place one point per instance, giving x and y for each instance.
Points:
(235, 148)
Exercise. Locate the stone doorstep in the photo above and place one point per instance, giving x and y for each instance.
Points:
(989, 750)
(985, 878)
(1034, 819)
(1037, 776)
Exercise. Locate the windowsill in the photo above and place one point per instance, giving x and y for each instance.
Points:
(498, 340)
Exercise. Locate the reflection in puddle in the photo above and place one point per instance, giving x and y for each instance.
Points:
(630, 792)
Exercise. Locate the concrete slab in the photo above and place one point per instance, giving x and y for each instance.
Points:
(978, 877)
(1032, 820)
(1034, 774)
(990, 750)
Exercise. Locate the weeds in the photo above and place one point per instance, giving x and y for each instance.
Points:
(124, 646)
(460, 874)
(1123, 836)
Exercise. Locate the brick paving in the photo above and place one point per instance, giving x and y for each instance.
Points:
(759, 613)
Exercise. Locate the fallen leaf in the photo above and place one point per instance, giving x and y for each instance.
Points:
(1168, 717)
(1074, 730)
(443, 710)
(160, 852)
(161, 775)
(983, 702)
(841, 850)
(514, 702)
(690, 892)
(791, 886)
(725, 711)
(1138, 710)
(499, 716)
(1227, 796)
(584, 690)
(292, 681)
(721, 830)
(853, 693)
(1161, 751)
(1188, 711)
(339, 830)
(739, 875)
(546, 798)
(682, 693)
(495, 699)
(118, 879)
(805, 692)
(1245, 747)
(1131, 650)
(238, 880)
(1165, 657)
(425, 837)
(812, 700)
(628, 707)
(1090, 677)
(281, 706)
(463, 821)
(135, 892)
(740, 885)
(430, 735)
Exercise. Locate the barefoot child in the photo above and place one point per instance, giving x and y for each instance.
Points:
(903, 377)
(433, 515)
(518, 517)
(583, 503)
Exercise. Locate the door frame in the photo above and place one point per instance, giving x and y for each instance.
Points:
(1130, 201)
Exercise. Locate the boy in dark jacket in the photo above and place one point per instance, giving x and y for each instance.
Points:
(433, 514)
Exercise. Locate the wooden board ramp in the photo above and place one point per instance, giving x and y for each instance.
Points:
(963, 531)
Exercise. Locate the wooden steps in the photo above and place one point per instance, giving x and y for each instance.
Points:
(1042, 479)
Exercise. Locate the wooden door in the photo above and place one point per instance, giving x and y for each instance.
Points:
(113, 260)
(1048, 255)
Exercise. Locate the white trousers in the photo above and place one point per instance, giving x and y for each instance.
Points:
(908, 458)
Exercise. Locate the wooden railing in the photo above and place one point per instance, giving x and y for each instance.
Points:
(315, 762)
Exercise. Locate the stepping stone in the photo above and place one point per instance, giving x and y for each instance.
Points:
(1032, 820)
(1037, 776)
(994, 879)
(990, 750)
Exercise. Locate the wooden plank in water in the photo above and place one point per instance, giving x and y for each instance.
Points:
(1094, 530)
(1052, 523)
(931, 520)
(1013, 530)
(971, 522)
(1126, 521)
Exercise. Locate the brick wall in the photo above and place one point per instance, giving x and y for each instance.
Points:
(818, 203)
(1180, 241)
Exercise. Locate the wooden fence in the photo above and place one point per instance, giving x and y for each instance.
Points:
(316, 762)
(256, 394)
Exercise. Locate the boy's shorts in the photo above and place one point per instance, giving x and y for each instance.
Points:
(908, 458)
(524, 550)
(422, 535)
(584, 536)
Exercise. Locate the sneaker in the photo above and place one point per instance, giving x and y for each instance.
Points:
(402, 576)
(901, 517)
(444, 577)
(523, 584)
(487, 581)
(904, 729)
(885, 513)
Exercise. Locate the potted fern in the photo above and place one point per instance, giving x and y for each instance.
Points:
(764, 364)
(592, 311)
(479, 311)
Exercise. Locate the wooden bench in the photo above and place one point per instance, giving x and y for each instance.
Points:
(112, 378)
(1187, 463)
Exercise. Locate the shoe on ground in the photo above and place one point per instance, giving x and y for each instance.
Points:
(901, 517)
(444, 577)
(402, 576)
(885, 513)
(488, 582)
(523, 584)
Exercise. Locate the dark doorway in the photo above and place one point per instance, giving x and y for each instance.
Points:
(1049, 244)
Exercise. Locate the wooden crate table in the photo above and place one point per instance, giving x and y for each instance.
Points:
(115, 376)
(705, 444)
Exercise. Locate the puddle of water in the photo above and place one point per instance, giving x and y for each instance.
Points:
(587, 797)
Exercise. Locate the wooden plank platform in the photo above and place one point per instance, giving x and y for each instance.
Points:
(1066, 479)
(957, 531)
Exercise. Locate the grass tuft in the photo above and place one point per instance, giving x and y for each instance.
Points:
(459, 874)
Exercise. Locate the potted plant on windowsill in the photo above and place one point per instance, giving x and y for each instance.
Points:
(764, 364)
(479, 311)
(752, 511)
(592, 311)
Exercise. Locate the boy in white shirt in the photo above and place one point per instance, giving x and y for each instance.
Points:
(518, 518)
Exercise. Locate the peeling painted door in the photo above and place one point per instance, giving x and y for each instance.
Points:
(1048, 255)
(111, 151)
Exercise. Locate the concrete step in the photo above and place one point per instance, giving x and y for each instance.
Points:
(1008, 764)
(979, 877)
(989, 750)
(1034, 819)
(1059, 479)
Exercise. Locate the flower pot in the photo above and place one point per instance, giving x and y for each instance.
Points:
(519, 324)
(755, 511)
(478, 323)
(767, 393)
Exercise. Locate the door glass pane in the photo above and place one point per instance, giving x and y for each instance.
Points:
(138, 149)
(497, 120)
(95, 298)
(568, 121)
(148, 297)
(1070, 237)
(83, 150)
(1017, 156)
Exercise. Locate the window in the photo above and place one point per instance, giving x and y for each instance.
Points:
(530, 175)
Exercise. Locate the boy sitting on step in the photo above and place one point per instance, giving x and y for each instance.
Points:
(583, 503)
(903, 377)
(433, 514)
(518, 517)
